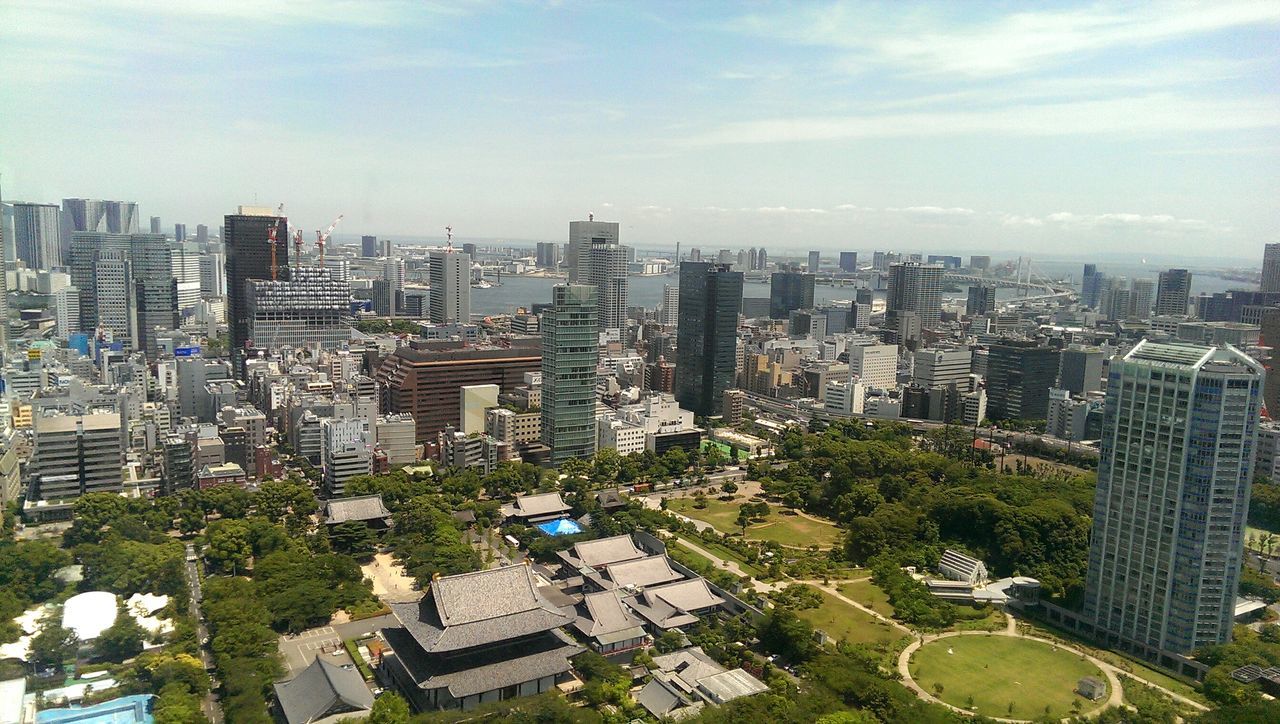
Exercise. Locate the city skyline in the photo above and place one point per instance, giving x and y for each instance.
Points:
(834, 126)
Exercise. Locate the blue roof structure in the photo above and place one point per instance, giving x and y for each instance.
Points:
(560, 526)
(125, 710)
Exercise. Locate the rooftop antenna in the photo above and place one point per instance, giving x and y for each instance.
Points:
(591, 216)
(448, 230)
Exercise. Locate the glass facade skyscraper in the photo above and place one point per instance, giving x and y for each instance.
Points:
(1174, 478)
(789, 291)
(570, 354)
(706, 335)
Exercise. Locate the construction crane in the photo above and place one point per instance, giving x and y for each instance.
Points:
(272, 239)
(323, 236)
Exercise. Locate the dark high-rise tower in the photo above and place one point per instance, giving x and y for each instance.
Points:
(570, 353)
(982, 299)
(249, 257)
(1174, 292)
(707, 335)
(849, 261)
(1019, 375)
(789, 291)
(1089, 286)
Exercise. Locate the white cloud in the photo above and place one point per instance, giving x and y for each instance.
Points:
(785, 210)
(937, 41)
(1148, 115)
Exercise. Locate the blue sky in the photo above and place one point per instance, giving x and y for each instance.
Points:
(1047, 129)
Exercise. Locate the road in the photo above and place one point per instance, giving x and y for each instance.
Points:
(210, 705)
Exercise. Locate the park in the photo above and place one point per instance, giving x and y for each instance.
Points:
(1003, 676)
(783, 526)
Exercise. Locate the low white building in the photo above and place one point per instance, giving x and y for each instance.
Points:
(625, 437)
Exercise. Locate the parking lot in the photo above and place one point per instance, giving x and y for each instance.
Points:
(299, 651)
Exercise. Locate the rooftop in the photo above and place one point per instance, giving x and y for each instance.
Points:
(360, 507)
(322, 689)
(482, 607)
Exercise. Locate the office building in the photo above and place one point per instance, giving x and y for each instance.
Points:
(155, 225)
(1173, 295)
(1142, 297)
(213, 275)
(66, 311)
(395, 436)
(202, 235)
(606, 270)
(449, 274)
(669, 314)
(582, 234)
(368, 246)
(344, 453)
(155, 287)
(179, 232)
(1068, 417)
(981, 300)
(75, 455)
(849, 261)
(425, 379)
(37, 235)
(309, 310)
(476, 400)
(115, 303)
(248, 256)
(874, 365)
(1080, 369)
(186, 276)
(570, 353)
(943, 367)
(914, 288)
(789, 291)
(815, 259)
(1174, 476)
(548, 255)
(707, 335)
(980, 263)
(1089, 286)
(1271, 268)
(1019, 375)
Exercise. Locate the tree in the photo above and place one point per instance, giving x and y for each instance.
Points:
(229, 548)
(389, 708)
(121, 640)
(353, 537)
(53, 645)
(788, 635)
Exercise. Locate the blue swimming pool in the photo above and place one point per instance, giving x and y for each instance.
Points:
(562, 526)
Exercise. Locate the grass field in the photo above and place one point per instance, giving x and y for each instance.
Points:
(724, 553)
(842, 621)
(869, 595)
(996, 672)
(1253, 537)
(782, 527)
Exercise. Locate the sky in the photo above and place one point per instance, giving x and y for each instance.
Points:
(1045, 129)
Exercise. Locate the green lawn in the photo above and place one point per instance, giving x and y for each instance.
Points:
(780, 525)
(842, 621)
(993, 672)
(724, 553)
(869, 595)
(1253, 538)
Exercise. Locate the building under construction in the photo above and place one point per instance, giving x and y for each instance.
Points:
(309, 310)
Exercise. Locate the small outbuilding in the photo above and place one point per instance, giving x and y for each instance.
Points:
(1092, 688)
(323, 693)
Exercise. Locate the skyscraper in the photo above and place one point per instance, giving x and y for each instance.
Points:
(1089, 286)
(1019, 375)
(393, 273)
(581, 236)
(179, 232)
(849, 261)
(669, 315)
(202, 234)
(248, 251)
(1174, 292)
(1080, 369)
(449, 274)
(1174, 478)
(4, 288)
(815, 258)
(606, 269)
(916, 288)
(155, 225)
(570, 354)
(86, 249)
(548, 255)
(1142, 296)
(707, 335)
(789, 291)
(982, 300)
(368, 246)
(762, 260)
(154, 286)
(1271, 268)
(37, 235)
(112, 217)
